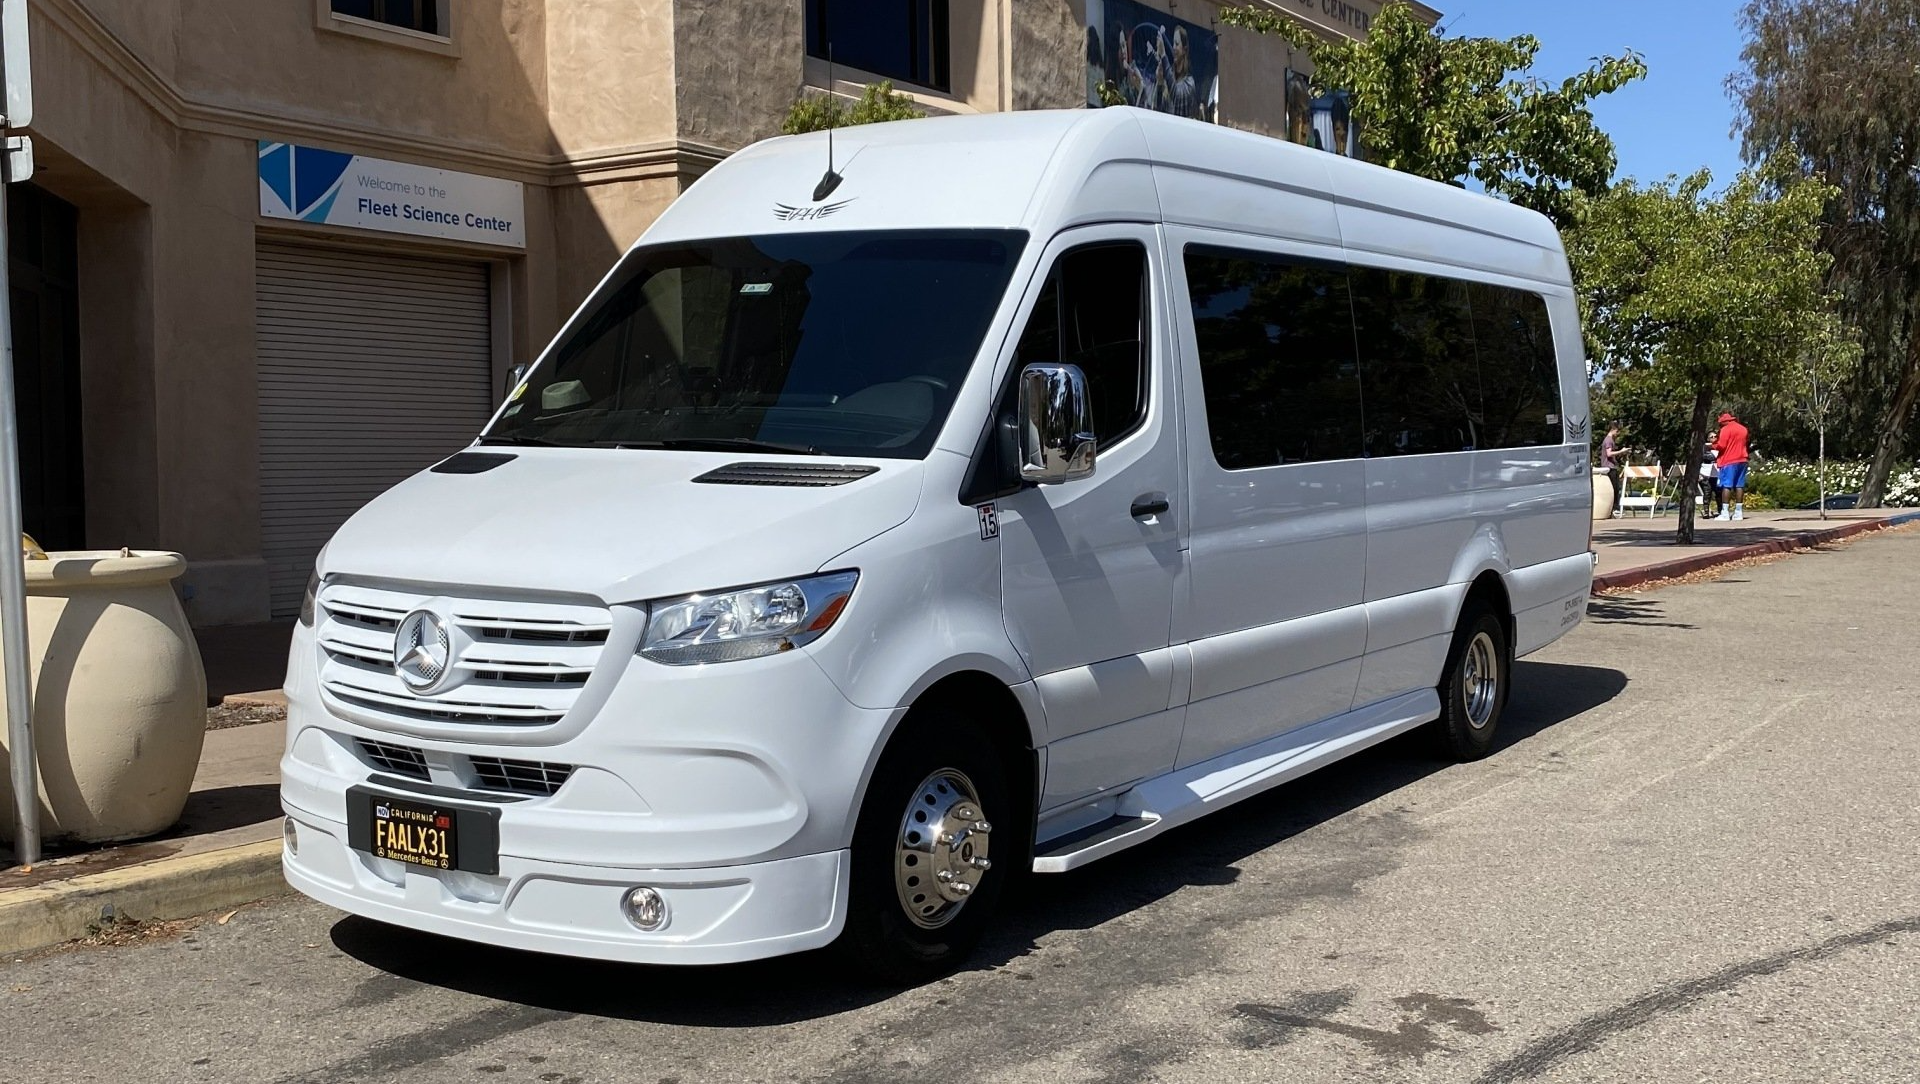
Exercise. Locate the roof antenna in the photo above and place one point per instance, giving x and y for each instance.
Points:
(832, 180)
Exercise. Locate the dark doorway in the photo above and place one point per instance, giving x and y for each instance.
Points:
(44, 268)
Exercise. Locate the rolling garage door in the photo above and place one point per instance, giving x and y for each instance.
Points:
(372, 366)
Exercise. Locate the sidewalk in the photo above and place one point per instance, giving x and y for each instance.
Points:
(1638, 550)
(224, 852)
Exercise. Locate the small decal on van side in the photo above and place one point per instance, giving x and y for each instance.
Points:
(989, 522)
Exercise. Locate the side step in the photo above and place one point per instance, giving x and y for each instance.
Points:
(1093, 835)
(1154, 805)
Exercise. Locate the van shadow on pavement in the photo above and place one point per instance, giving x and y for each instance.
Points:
(817, 984)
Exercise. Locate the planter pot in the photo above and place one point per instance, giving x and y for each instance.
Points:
(1602, 496)
(119, 697)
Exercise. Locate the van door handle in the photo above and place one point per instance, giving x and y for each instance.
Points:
(1148, 504)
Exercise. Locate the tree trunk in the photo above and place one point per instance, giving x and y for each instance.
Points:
(1891, 439)
(1823, 470)
(1696, 454)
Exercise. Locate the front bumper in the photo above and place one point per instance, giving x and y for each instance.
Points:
(717, 915)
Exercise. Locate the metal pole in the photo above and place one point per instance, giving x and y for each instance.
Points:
(13, 583)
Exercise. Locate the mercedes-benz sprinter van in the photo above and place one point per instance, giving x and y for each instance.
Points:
(986, 501)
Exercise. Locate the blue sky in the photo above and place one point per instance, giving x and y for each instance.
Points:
(1674, 121)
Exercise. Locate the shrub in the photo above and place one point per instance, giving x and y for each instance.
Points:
(879, 102)
(1783, 490)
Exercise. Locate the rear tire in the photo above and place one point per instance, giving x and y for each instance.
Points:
(1473, 689)
(940, 836)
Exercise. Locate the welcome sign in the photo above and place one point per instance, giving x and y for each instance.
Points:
(307, 184)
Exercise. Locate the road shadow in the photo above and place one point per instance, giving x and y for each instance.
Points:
(817, 984)
(1631, 610)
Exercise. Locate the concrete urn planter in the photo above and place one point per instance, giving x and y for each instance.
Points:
(119, 696)
(1602, 496)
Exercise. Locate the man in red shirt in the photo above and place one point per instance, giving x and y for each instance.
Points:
(1731, 445)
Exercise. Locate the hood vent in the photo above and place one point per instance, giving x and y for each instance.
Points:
(471, 463)
(786, 474)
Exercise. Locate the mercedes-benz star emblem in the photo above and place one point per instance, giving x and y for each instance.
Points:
(422, 650)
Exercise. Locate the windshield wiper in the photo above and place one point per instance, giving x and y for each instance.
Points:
(520, 438)
(714, 444)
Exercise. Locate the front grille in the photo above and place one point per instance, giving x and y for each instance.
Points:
(513, 663)
(520, 776)
(395, 759)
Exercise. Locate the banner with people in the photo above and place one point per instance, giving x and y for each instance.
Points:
(1142, 57)
(1324, 123)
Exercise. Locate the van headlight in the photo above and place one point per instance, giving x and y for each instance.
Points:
(745, 623)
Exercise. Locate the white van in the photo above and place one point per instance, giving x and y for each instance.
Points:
(1023, 487)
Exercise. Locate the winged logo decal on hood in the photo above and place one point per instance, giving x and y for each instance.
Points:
(787, 212)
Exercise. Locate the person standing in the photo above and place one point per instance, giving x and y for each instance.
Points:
(1612, 455)
(1730, 448)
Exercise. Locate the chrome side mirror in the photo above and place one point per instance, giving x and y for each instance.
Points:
(514, 376)
(1056, 424)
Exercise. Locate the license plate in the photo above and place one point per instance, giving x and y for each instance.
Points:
(423, 832)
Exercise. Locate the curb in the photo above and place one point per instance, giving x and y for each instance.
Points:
(1681, 566)
(49, 914)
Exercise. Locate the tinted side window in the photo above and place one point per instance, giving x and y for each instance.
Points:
(1417, 363)
(1519, 379)
(1093, 313)
(1277, 366)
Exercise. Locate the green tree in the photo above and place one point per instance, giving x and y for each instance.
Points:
(1454, 108)
(1835, 87)
(1816, 383)
(813, 112)
(1708, 295)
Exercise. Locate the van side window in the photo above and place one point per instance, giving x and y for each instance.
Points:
(1092, 312)
(1277, 364)
(1519, 379)
(1417, 363)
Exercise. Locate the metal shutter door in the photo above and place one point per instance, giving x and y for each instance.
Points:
(371, 368)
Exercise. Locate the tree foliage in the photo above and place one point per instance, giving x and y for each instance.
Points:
(1835, 87)
(813, 112)
(1454, 108)
(1707, 295)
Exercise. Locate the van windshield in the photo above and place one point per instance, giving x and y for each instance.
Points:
(823, 343)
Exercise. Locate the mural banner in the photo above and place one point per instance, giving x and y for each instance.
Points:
(1152, 59)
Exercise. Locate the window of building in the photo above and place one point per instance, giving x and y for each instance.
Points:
(1519, 379)
(419, 15)
(903, 40)
(1277, 365)
(1093, 313)
(1417, 364)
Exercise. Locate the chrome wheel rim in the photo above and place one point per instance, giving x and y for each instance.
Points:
(1480, 680)
(941, 849)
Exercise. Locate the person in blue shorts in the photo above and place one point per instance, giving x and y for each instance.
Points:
(1730, 458)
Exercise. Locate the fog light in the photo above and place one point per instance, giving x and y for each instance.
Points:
(645, 908)
(292, 835)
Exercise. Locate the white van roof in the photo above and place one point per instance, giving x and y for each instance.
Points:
(1045, 170)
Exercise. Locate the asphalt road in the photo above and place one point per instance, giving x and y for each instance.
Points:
(1693, 858)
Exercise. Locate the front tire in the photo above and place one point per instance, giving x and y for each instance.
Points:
(938, 839)
(1473, 692)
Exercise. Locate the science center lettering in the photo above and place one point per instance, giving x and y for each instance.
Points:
(308, 184)
(1338, 11)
